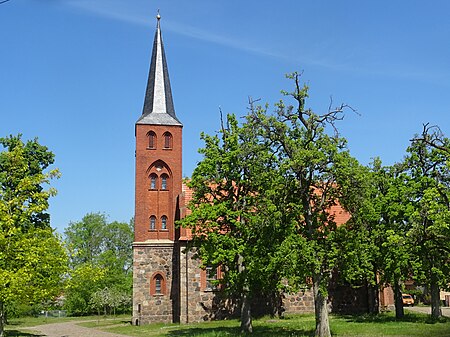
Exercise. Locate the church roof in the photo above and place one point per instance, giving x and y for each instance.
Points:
(158, 104)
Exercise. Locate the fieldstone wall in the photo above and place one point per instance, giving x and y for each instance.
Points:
(196, 304)
(150, 258)
(185, 298)
(302, 302)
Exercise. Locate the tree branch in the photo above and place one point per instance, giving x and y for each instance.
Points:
(432, 136)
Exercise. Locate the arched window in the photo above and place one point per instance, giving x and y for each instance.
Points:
(164, 182)
(157, 284)
(153, 180)
(152, 223)
(151, 140)
(167, 140)
(163, 222)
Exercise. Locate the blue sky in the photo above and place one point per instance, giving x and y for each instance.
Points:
(73, 73)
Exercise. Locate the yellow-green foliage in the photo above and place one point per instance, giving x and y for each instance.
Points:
(32, 258)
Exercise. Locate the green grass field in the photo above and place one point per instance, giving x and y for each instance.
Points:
(413, 325)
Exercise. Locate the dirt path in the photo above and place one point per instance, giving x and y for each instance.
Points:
(68, 329)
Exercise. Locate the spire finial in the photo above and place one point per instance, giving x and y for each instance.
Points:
(158, 16)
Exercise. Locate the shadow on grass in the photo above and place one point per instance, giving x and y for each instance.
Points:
(386, 318)
(233, 331)
(17, 333)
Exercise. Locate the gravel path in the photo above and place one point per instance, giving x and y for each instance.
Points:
(69, 329)
(427, 310)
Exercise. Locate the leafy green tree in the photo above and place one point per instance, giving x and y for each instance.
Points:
(229, 186)
(428, 169)
(314, 162)
(32, 259)
(97, 245)
(84, 239)
(83, 282)
(374, 239)
(395, 250)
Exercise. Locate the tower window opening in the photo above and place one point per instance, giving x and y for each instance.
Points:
(163, 222)
(152, 223)
(153, 180)
(164, 182)
(151, 140)
(167, 140)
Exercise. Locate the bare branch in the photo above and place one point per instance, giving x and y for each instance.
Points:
(432, 136)
(221, 121)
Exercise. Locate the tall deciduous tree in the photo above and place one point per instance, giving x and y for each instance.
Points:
(313, 161)
(229, 186)
(375, 237)
(428, 167)
(32, 259)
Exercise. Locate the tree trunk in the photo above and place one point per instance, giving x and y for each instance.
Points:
(246, 317)
(373, 298)
(2, 319)
(399, 312)
(436, 311)
(320, 309)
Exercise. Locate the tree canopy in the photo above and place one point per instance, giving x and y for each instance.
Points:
(100, 262)
(277, 176)
(229, 185)
(32, 258)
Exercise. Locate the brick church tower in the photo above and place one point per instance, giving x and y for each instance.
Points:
(157, 196)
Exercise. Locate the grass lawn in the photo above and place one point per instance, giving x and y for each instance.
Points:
(302, 325)
(413, 325)
(34, 321)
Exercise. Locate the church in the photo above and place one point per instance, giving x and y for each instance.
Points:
(168, 283)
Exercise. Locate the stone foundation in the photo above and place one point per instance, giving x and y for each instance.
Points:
(196, 303)
(149, 259)
(184, 297)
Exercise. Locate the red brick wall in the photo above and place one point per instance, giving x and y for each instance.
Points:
(157, 202)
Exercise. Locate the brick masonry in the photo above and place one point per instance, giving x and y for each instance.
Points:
(157, 202)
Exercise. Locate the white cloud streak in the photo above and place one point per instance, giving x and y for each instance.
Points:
(110, 11)
(115, 9)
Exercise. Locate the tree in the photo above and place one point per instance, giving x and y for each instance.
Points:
(374, 240)
(227, 216)
(96, 245)
(393, 244)
(428, 168)
(314, 164)
(83, 282)
(84, 239)
(32, 259)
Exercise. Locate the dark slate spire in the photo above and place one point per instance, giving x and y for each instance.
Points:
(158, 104)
